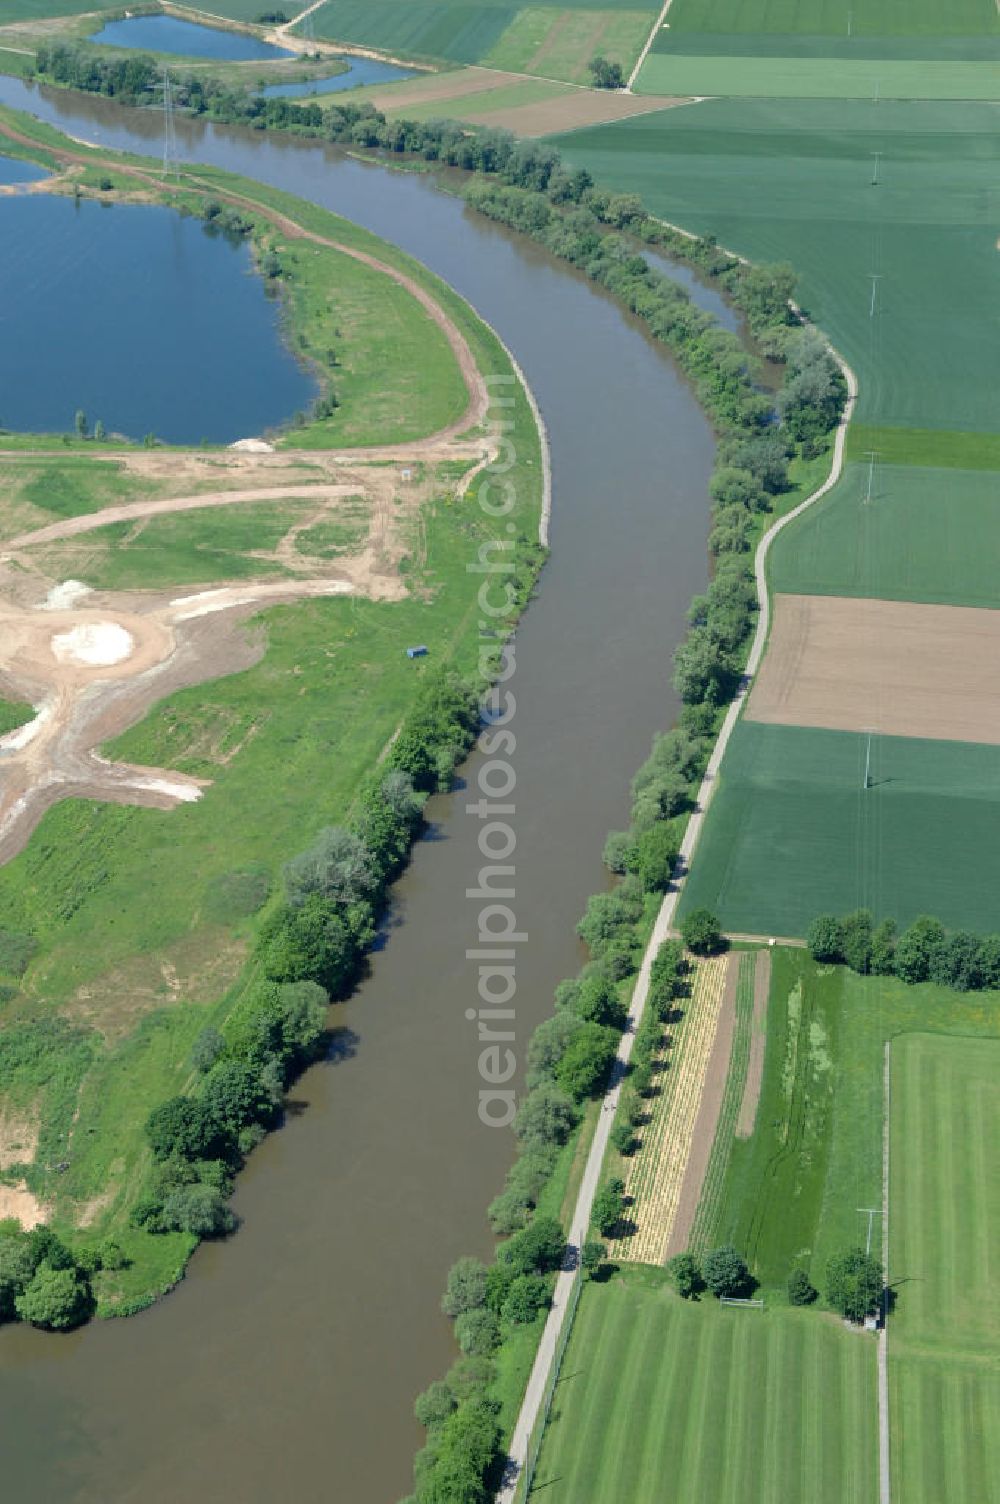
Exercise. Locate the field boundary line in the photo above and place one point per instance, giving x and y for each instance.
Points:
(657, 24)
(884, 1471)
(662, 928)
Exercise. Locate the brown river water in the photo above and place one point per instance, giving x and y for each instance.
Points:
(286, 1364)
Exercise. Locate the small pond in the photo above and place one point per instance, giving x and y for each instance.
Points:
(141, 318)
(186, 39)
(13, 170)
(360, 71)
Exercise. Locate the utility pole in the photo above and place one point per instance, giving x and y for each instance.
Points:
(169, 130)
(876, 279)
(872, 1212)
(872, 457)
(878, 157)
(868, 784)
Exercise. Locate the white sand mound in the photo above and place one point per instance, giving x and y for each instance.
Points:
(93, 644)
(253, 446)
(65, 596)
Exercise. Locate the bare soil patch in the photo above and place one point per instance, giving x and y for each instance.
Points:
(896, 667)
(758, 1041)
(703, 1135)
(198, 969)
(17, 1201)
(439, 87)
(18, 1135)
(570, 111)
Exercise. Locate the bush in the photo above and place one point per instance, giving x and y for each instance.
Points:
(915, 948)
(528, 1294)
(538, 1249)
(545, 1116)
(477, 1332)
(684, 1270)
(701, 933)
(856, 941)
(466, 1287)
(725, 1272)
(656, 854)
(587, 1061)
(592, 1256)
(207, 1048)
(800, 1291)
(181, 1127)
(197, 1209)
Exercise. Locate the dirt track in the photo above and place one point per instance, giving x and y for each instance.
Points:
(896, 667)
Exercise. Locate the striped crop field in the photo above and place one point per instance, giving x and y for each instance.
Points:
(944, 1228)
(668, 1402)
(656, 1174)
(710, 1205)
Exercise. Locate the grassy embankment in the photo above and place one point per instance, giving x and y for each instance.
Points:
(141, 920)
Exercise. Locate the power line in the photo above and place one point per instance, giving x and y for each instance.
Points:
(171, 159)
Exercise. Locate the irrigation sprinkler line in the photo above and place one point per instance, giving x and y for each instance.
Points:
(548, 1347)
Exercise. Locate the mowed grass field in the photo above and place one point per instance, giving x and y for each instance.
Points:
(925, 535)
(874, 18)
(793, 833)
(792, 181)
(792, 1190)
(551, 41)
(944, 1228)
(665, 1402)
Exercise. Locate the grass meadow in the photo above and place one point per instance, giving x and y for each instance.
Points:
(797, 77)
(943, 1227)
(792, 181)
(793, 833)
(662, 1402)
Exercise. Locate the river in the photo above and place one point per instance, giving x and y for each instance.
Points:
(286, 1364)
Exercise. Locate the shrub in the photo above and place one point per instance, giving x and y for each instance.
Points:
(656, 854)
(207, 1048)
(856, 940)
(197, 1209)
(800, 1291)
(592, 1256)
(477, 1332)
(545, 1116)
(528, 1294)
(825, 939)
(588, 1058)
(915, 948)
(55, 1298)
(182, 1127)
(684, 1270)
(609, 1205)
(538, 1249)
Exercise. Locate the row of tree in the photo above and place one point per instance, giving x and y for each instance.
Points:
(855, 1282)
(924, 952)
(309, 949)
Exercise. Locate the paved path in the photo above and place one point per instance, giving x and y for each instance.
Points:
(535, 1392)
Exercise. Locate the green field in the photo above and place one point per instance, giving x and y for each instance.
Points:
(832, 17)
(926, 535)
(816, 78)
(665, 1402)
(792, 181)
(944, 1225)
(792, 1190)
(792, 832)
(552, 41)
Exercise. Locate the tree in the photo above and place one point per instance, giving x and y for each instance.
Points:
(856, 940)
(800, 1291)
(181, 1126)
(725, 1272)
(915, 948)
(989, 960)
(528, 1294)
(548, 1044)
(609, 1204)
(545, 1116)
(656, 853)
(701, 933)
(477, 1332)
(55, 1298)
(81, 423)
(433, 1407)
(99, 433)
(606, 75)
(592, 1256)
(619, 851)
(17, 1265)
(955, 962)
(337, 865)
(538, 1249)
(587, 1060)
(197, 1209)
(466, 1287)
(316, 943)
(854, 1284)
(883, 962)
(684, 1271)
(825, 939)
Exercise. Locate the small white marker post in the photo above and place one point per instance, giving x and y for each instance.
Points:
(876, 279)
(872, 457)
(878, 157)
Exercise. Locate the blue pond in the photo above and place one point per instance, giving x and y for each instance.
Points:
(186, 39)
(361, 71)
(14, 171)
(142, 318)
